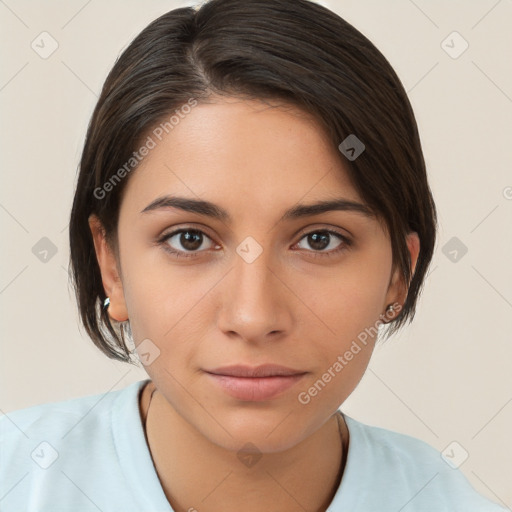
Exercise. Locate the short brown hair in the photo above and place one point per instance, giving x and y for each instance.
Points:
(294, 51)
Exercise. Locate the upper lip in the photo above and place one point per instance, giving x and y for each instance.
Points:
(265, 370)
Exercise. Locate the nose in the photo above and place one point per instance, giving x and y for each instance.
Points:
(255, 301)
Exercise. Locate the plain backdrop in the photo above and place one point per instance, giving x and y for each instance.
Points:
(446, 378)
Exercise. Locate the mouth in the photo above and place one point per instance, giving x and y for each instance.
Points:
(255, 384)
(265, 370)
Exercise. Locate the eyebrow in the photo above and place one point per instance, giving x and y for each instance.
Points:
(214, 211)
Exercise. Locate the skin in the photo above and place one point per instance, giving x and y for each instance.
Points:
(214, 309)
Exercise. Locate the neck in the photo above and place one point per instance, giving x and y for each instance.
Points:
(198, 474)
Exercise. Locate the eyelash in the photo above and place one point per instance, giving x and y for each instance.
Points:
(322, 254)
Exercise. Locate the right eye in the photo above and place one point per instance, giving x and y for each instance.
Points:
(190, 240)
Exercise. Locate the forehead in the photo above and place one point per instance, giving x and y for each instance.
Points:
(244, 154)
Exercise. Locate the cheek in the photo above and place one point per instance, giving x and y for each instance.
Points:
(341, 354)
(349, 303)
(171, 307)
(350, 298)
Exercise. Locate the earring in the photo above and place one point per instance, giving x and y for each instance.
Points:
(390, 308)
(106, 303)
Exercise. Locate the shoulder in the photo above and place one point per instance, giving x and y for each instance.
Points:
(80, 454)
(412, 471)
(393, 447)
(57, 417)
(59, 432)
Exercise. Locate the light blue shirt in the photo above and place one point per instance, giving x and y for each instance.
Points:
(90, 454)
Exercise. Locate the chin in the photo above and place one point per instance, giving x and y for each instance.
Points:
(257, 444)
(254, 430)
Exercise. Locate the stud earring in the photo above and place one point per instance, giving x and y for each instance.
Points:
(106, 303)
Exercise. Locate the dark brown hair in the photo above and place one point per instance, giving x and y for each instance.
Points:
(293, 51)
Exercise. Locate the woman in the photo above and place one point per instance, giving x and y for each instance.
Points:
(252, 207)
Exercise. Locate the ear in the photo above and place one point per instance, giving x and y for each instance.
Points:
(398, 289)
(107, 262)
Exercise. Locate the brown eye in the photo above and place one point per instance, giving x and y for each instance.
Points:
(321, 240)
(185, 241)
(322, 243)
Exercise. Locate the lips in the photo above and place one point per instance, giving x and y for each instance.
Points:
(255, 384)
(265, 370)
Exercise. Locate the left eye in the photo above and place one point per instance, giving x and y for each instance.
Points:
(321, 241)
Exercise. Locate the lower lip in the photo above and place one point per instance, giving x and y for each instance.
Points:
(255, 389)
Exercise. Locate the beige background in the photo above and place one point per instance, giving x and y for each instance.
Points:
(445, 378)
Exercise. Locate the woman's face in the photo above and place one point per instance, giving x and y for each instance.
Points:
(265, 284)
